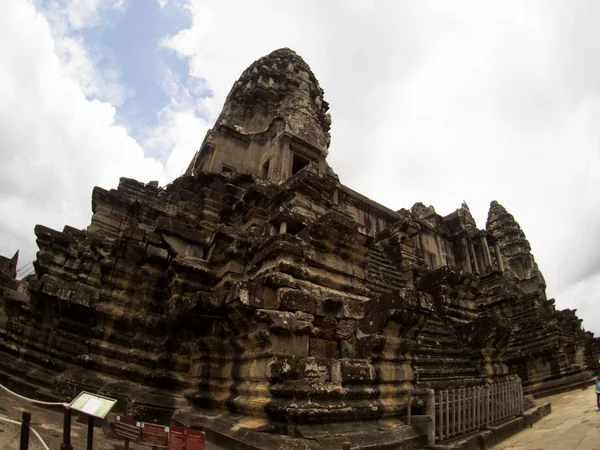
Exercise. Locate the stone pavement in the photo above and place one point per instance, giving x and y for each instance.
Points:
(574, 424)
(48, 423)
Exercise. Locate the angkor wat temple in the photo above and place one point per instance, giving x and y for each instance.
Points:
(260, 296)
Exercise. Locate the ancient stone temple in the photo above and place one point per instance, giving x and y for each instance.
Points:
(260, 297)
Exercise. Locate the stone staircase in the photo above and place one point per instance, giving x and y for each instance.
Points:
(439, 359)
(382, 276)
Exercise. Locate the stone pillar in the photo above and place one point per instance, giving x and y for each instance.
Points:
(210, 167)
(281, 163)
(498, 257)
(474, 256)
(283, 227)
(443, 261)
(480, 257)
(486, 251)
(465, 250)
(272, 229)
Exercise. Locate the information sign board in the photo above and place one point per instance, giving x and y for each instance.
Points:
(93, 404)
(128, 428)
(153, 434)
(194, 440)
(186, 439)
(177, 438)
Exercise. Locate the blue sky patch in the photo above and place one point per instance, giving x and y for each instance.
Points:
(132, 39)
(127, 41)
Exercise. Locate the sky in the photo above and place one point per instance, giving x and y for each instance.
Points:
(432, 101)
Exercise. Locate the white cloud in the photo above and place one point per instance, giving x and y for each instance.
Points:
(79, 14)
(55, 144)
(78, 64)
(67, 18)
(181, 127)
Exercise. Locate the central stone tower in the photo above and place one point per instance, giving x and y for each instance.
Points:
(273, 124)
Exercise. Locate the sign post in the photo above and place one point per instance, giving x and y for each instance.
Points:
(66, 443)
(25, 426)
(95, 406)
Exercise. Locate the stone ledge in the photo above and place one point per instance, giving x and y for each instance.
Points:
(230, 430)
(487, 438)
(561, 388)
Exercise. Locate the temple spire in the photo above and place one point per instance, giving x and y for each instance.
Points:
(514, 249)
(274, 122)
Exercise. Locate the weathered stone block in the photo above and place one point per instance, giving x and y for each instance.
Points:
(303, 327)
(323, 348)
(57, 288)
(304, 316)
(291, 345)
(277, 320)
(284, 368)
(346, 329)
(158, 254)
(357, 371)
(353, 308)
(364, 347)
(85, 296)
(325, 328)
(11, 295)
(294, 300)
(316, 369)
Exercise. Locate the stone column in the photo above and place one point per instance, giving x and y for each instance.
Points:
(486, 252)
(479, 257)
(498, 257)
(474, 256)
(440, 246)
(211, 165)
(283, 227)
(465, 250)
(281, 162)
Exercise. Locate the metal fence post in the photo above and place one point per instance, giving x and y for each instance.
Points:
(25, 425)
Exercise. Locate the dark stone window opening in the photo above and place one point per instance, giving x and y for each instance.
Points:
(298, 163)
(294, 227)
(265, 169)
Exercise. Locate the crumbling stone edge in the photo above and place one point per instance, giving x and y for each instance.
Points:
(488, 438)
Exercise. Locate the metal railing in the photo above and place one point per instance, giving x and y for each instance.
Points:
(461, 411)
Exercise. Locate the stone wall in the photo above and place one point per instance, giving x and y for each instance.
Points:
(280, 295)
